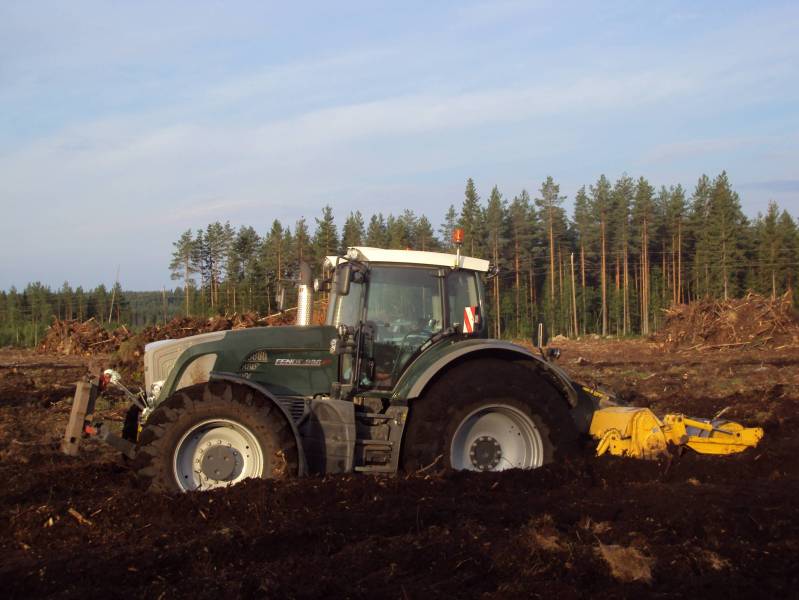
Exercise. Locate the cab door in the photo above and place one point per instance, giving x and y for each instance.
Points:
(404, 309)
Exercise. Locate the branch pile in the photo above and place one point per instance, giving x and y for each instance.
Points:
(751, 321)
(89, 337)
(71, 336)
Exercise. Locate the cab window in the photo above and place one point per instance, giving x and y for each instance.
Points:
(461, 293)
(404, 308)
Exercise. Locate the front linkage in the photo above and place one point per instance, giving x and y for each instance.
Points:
(81, 419)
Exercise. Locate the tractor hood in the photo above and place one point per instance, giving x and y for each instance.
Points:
(270, 355)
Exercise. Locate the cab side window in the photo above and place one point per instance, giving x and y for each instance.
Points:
(461, 293)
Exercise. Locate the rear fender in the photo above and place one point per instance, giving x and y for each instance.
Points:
(441, 358)
(238, 380)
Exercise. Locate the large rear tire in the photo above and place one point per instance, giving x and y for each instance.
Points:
(489, 415)
(214, 435)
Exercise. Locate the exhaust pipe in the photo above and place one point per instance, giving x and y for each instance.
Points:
(305, 296)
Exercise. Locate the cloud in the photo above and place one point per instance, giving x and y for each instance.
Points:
(686, 149)
(774, 186)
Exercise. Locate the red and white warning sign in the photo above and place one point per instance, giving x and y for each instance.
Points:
(470, 318)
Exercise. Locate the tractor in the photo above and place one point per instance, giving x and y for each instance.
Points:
(401, 376)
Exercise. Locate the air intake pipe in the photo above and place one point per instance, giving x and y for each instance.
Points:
(305, 296)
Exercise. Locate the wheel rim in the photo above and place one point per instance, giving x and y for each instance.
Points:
(217, 453)
(495, 438)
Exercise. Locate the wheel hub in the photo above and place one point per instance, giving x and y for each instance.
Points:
(219, 463)
(485, 453)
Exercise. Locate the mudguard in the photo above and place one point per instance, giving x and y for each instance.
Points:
(255, 386)
(437, 359)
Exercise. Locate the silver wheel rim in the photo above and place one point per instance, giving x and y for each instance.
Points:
(217, 453)
(494, 438)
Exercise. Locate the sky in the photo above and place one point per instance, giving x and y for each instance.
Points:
(122, 124)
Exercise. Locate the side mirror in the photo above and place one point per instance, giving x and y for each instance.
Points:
(343, 276)
(321, 285)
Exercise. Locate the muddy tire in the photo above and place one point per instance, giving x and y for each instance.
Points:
(214, 435)
(489, 415)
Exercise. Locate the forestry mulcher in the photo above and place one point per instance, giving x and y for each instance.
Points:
(402, 375)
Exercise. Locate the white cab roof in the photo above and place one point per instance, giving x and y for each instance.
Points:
(415, 257)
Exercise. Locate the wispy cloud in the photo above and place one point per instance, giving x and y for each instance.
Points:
(779, 185)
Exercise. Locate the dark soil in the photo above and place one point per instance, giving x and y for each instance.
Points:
(693, 525)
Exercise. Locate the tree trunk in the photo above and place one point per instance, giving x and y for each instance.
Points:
(516, 270)
(582, 278)
(679, 261)
(574, 297)
(603, 276)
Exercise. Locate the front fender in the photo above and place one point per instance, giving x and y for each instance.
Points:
(255, 386)
(437, 359)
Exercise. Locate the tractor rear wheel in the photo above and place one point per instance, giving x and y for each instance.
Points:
(489, 415)
(214, 435)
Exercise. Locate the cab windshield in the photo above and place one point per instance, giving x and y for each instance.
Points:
(400, 300)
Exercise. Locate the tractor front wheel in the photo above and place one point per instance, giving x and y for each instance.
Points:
(214, 435)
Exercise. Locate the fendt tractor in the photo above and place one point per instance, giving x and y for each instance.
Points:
(402, 375)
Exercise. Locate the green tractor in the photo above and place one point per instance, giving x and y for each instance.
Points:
(402, 375)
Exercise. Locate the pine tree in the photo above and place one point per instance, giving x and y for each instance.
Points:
(697, 241)
(302, 241)
(725, 234)
(768, 249)
(66, 298)
(399, 232)
(520, 219)
(586, 232)
(273, 258)
(622, 198)
(643, 217)
(353, 232)
(423, 235)
(553, 219)
(471, 220)
(788, 234)
(247, 268)
(200, 264)
(325, 239)
(216, 247)
(447, 227)
(495, 224)
(600, 207)
(80, 303)
(675, 218)
(183, 264)
(376, 234)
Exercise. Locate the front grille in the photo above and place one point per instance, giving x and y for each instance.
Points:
(253, 361)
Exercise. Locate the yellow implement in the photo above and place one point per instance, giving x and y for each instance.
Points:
(637, 432)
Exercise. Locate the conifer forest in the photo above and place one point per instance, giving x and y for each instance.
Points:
(625, 252)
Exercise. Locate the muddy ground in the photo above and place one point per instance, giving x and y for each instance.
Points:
(598, 528)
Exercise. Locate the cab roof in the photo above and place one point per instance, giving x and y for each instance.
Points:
(413, 257)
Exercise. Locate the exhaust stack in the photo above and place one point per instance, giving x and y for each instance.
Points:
(305, 296)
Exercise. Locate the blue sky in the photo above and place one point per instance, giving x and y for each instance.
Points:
(124, 123)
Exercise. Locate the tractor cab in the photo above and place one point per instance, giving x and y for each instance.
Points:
(389, 305)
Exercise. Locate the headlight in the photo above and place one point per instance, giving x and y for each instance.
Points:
(155, 389)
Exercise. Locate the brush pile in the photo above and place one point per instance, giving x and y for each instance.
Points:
(73, 337)
(752, 321)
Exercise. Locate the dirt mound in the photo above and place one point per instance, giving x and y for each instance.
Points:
(751, 321)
